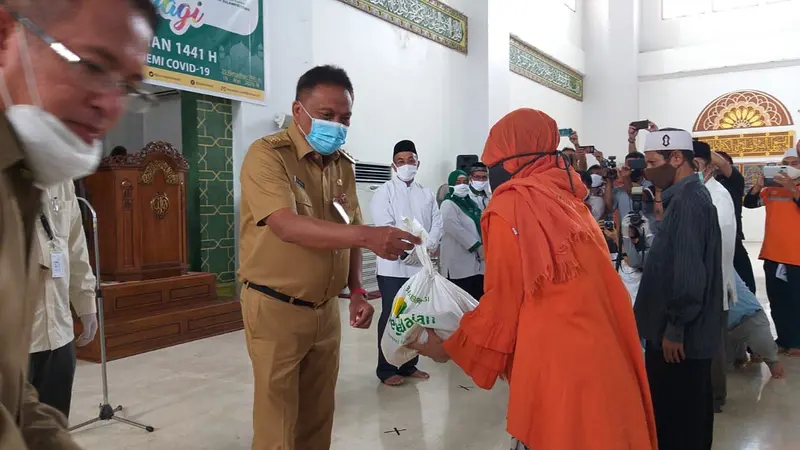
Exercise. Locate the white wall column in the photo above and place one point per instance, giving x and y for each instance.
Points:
(611, 45)
(482, 85)
(287, 21)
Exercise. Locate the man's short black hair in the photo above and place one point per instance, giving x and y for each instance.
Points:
(702, 150)
(148, 9)
(327, 74)
(586, 177)
(634, 155)
(595, 167)
(478, 167)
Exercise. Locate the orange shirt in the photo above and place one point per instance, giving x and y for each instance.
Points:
(783, 220)
(571, 352)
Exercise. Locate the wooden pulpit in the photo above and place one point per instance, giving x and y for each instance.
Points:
(140, 201)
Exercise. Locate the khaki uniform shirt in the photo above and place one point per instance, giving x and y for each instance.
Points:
(282, 171)
(24, 422)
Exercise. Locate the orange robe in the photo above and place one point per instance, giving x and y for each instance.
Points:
(570, 350)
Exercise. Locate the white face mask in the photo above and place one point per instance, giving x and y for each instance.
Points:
(461, 190)
(407, 173)
(53, 152)
(479, 185)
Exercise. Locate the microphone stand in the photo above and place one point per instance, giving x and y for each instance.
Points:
(106, 411)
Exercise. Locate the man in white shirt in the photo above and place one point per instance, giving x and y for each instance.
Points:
(479, 190)
(402, 197)
(726, 214)
(69, 280)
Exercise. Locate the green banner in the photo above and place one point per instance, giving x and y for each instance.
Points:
(213, 47)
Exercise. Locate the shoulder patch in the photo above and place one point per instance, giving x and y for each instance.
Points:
(278, 140)
(347, 156)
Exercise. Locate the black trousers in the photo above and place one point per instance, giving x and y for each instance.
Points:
(743, 266)
(389, 287)
(473, 285)
(719, 366)
(784, 302)
(682, 401)
(51, 373)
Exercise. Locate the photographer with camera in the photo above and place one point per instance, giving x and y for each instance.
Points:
(632, 203)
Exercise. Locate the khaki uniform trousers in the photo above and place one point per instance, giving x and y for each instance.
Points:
(295, 355)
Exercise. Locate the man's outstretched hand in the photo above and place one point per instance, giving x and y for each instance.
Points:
(390, 242)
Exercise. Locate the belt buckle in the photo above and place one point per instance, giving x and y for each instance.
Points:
(292, 300)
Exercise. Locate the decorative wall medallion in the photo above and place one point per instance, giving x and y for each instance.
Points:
(743, 109)
(160, 205)
(149, 172)
(127, 194)
(431, 19)
(530, 62)
(752, 145)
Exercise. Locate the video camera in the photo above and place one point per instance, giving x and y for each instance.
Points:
(610, 163)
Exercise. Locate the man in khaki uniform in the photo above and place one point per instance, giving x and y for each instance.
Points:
(300, 219)
(55, 105)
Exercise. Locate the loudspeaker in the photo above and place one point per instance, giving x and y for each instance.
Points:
(465, 162)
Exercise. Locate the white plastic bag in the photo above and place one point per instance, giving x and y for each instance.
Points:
(426, 300)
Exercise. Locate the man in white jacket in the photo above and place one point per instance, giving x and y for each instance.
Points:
(402, 197)
(726, 214)
(69, 280)
(479, 190)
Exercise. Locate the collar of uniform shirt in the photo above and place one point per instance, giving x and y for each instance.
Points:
(667, 194)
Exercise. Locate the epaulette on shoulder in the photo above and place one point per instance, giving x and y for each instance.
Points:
(278, 140)
(347, 156)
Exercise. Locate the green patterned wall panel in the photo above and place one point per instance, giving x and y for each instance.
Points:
(531, 63)
(207, 130)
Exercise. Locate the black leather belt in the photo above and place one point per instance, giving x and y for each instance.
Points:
(278, 296)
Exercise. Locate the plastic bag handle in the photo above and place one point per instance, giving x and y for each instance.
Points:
(414, 227)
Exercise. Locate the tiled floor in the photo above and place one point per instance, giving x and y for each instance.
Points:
(198, 396)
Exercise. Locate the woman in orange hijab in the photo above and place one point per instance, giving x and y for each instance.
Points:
(556, 320)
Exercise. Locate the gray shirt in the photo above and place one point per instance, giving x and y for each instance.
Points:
(680, 295)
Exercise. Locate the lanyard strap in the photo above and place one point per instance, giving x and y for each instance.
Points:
(46, 225)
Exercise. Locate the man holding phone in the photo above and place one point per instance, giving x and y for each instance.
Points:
(780, 195)
(633, 132)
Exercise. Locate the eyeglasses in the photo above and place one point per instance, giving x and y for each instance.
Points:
(92, 75)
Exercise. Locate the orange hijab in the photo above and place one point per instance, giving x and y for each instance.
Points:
(548, 195)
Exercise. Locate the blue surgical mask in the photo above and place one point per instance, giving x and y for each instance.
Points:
(325, 137)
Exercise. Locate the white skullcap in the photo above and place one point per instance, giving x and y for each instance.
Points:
(597, 181)
(668, 140)
(792, 152)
